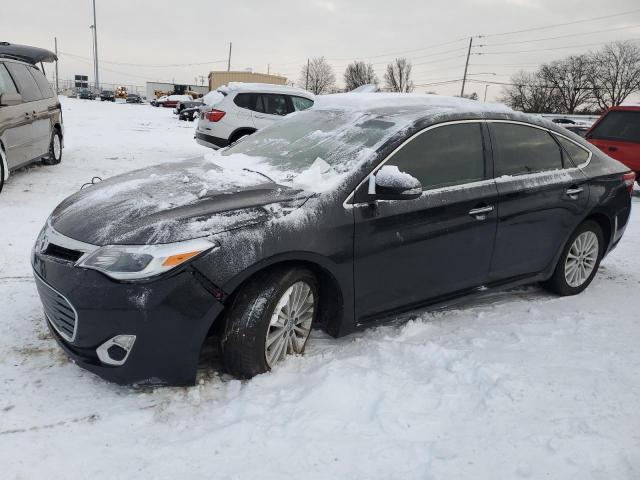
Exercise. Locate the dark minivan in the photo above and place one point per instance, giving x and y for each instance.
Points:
(30, 114)
(344, 215)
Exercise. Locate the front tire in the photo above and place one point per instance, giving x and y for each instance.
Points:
(55, 149)
(579, 261)
(2, 158)
(270, 318)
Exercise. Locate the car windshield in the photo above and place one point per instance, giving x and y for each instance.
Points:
(319, 144)
(618, 125)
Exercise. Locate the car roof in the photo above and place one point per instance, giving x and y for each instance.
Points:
(407, 102)
(25, 53)
(236, 87)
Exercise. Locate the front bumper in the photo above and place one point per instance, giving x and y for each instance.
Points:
(169, 317)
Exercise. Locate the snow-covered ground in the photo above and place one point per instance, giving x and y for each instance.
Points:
(519, 384)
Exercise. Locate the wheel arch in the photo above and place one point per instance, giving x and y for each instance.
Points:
(238, 132)
(606, 225)
(332, 291)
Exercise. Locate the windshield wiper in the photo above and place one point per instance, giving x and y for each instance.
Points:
(260, 173)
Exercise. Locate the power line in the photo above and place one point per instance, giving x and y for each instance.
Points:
(560, 36)
(399, 52)
(509, 52)
(575, 22)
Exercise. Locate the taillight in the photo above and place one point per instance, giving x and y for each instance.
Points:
(215, 115)
(628, 179)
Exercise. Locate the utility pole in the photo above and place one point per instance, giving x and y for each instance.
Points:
(268, 68)
(229, 61)
(307, 85)
(466, 66)
(95, 47)
(55, 43)
(486, 87)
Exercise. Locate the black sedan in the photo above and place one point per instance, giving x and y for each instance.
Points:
(339, 217)
(107, 96)
(134, 98)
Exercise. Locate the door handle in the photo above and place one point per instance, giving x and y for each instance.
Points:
(480, 213)
(573, 192)
(613, 149)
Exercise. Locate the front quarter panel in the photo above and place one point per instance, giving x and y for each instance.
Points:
(319, 233)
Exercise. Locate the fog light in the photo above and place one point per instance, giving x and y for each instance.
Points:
(116, 350)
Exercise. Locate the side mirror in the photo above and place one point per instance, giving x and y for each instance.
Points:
(389, 183)
(9, 99)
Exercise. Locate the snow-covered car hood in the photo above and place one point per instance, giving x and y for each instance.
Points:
(171, 202)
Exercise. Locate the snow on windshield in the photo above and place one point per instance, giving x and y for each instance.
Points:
(318, 147)
(313, 148)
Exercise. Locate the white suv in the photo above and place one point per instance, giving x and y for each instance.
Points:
(239, 109)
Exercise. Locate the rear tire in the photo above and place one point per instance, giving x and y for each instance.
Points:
(579, 261)
(55, 149)
(262, 325)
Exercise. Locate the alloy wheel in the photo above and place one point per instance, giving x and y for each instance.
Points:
(290, 323)
(581, 259)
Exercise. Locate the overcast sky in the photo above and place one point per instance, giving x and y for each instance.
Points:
(283, 33)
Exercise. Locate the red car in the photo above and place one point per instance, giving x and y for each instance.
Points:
(617, 133)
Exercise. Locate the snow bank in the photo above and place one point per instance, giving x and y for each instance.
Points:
(512, 385)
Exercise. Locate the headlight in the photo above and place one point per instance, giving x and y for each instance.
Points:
(132, 262)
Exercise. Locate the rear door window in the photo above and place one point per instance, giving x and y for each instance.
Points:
(520, 149)
(301, 103)
(243, 100)
(6, 82)
(618, 125)
(26, 84)
(43, 83)
(271, 104)
(444, 156)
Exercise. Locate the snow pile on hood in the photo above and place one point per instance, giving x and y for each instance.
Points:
(168, 203)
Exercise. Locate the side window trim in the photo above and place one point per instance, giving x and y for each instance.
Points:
(486, 181)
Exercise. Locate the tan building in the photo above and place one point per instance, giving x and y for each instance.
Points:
(219, 78)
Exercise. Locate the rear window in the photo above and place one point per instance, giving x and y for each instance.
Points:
(6, 83)
(43, 83)
(577, 155)
(26, 84)
(619, 126)
(243, 100)
(301, 103)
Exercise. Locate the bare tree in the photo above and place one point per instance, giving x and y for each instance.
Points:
(317, 76)
(569, 78)
(615, 73)
(358, 74)
(397, 78)
(529, 93)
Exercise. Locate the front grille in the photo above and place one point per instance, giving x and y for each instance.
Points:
(58, 310)
(63, 253)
